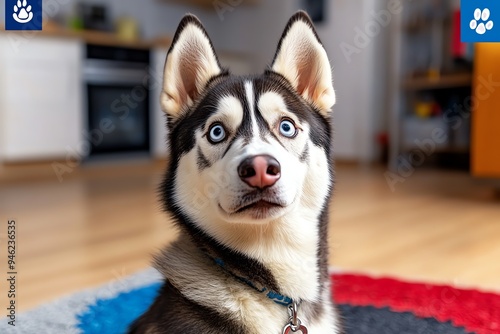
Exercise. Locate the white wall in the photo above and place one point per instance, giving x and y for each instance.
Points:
(253, 30)
(360, 79)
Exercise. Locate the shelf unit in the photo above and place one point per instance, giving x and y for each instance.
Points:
(445, 81)
(424, 73)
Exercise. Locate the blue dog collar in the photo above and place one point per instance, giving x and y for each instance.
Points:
(274, 296)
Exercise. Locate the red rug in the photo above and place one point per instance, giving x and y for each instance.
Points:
(472, 310)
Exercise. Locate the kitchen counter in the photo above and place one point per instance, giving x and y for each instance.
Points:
(92, 37)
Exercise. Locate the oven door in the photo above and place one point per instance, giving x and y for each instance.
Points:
(117, 109)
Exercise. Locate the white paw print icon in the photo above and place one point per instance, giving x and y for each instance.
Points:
(22, 12)
(483, 16)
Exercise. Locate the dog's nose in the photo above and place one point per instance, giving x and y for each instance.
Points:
(260, 171)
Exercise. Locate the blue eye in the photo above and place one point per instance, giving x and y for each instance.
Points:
(287, 128)
(216, 133)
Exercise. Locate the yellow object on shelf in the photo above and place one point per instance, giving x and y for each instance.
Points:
(423, 109)
(127, 29)
(434, 74)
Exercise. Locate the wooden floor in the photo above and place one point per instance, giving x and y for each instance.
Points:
(102, 223)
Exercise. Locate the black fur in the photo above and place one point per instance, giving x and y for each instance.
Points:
(167, 319)
(202, 161)
(304, 156)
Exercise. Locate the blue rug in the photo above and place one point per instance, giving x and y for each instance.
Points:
(102, 317)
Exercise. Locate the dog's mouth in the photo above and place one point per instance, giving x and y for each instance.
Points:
(259, 205)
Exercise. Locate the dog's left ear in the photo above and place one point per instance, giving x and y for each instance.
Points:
(302, 60)
(191, 63)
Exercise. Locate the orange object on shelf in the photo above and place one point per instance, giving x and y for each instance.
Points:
(486, 111)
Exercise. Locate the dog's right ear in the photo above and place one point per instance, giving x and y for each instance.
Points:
(191, 62)
(302, 60)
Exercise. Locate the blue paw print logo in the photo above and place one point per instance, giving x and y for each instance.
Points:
(22, 12)
(481, 22)
(23, 15)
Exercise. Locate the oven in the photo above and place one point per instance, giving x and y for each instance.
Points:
(117, 100)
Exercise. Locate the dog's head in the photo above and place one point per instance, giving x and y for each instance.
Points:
(248, 149)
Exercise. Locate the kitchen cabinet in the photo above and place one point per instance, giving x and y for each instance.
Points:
(40, 98)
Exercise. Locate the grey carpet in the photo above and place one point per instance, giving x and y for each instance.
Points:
(371, 320)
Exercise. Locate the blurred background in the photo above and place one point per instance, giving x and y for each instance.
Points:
(417, 135)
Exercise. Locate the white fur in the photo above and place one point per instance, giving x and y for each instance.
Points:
(251, 104)
(304, 62)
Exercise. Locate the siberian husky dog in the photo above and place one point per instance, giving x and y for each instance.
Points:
(248, 185)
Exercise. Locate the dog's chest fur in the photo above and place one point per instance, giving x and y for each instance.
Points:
(196, 277)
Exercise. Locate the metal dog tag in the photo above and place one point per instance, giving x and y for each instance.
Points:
(290, 329)
(294, 323)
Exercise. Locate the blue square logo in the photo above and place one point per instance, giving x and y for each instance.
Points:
(23, 14)
(480, 21)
